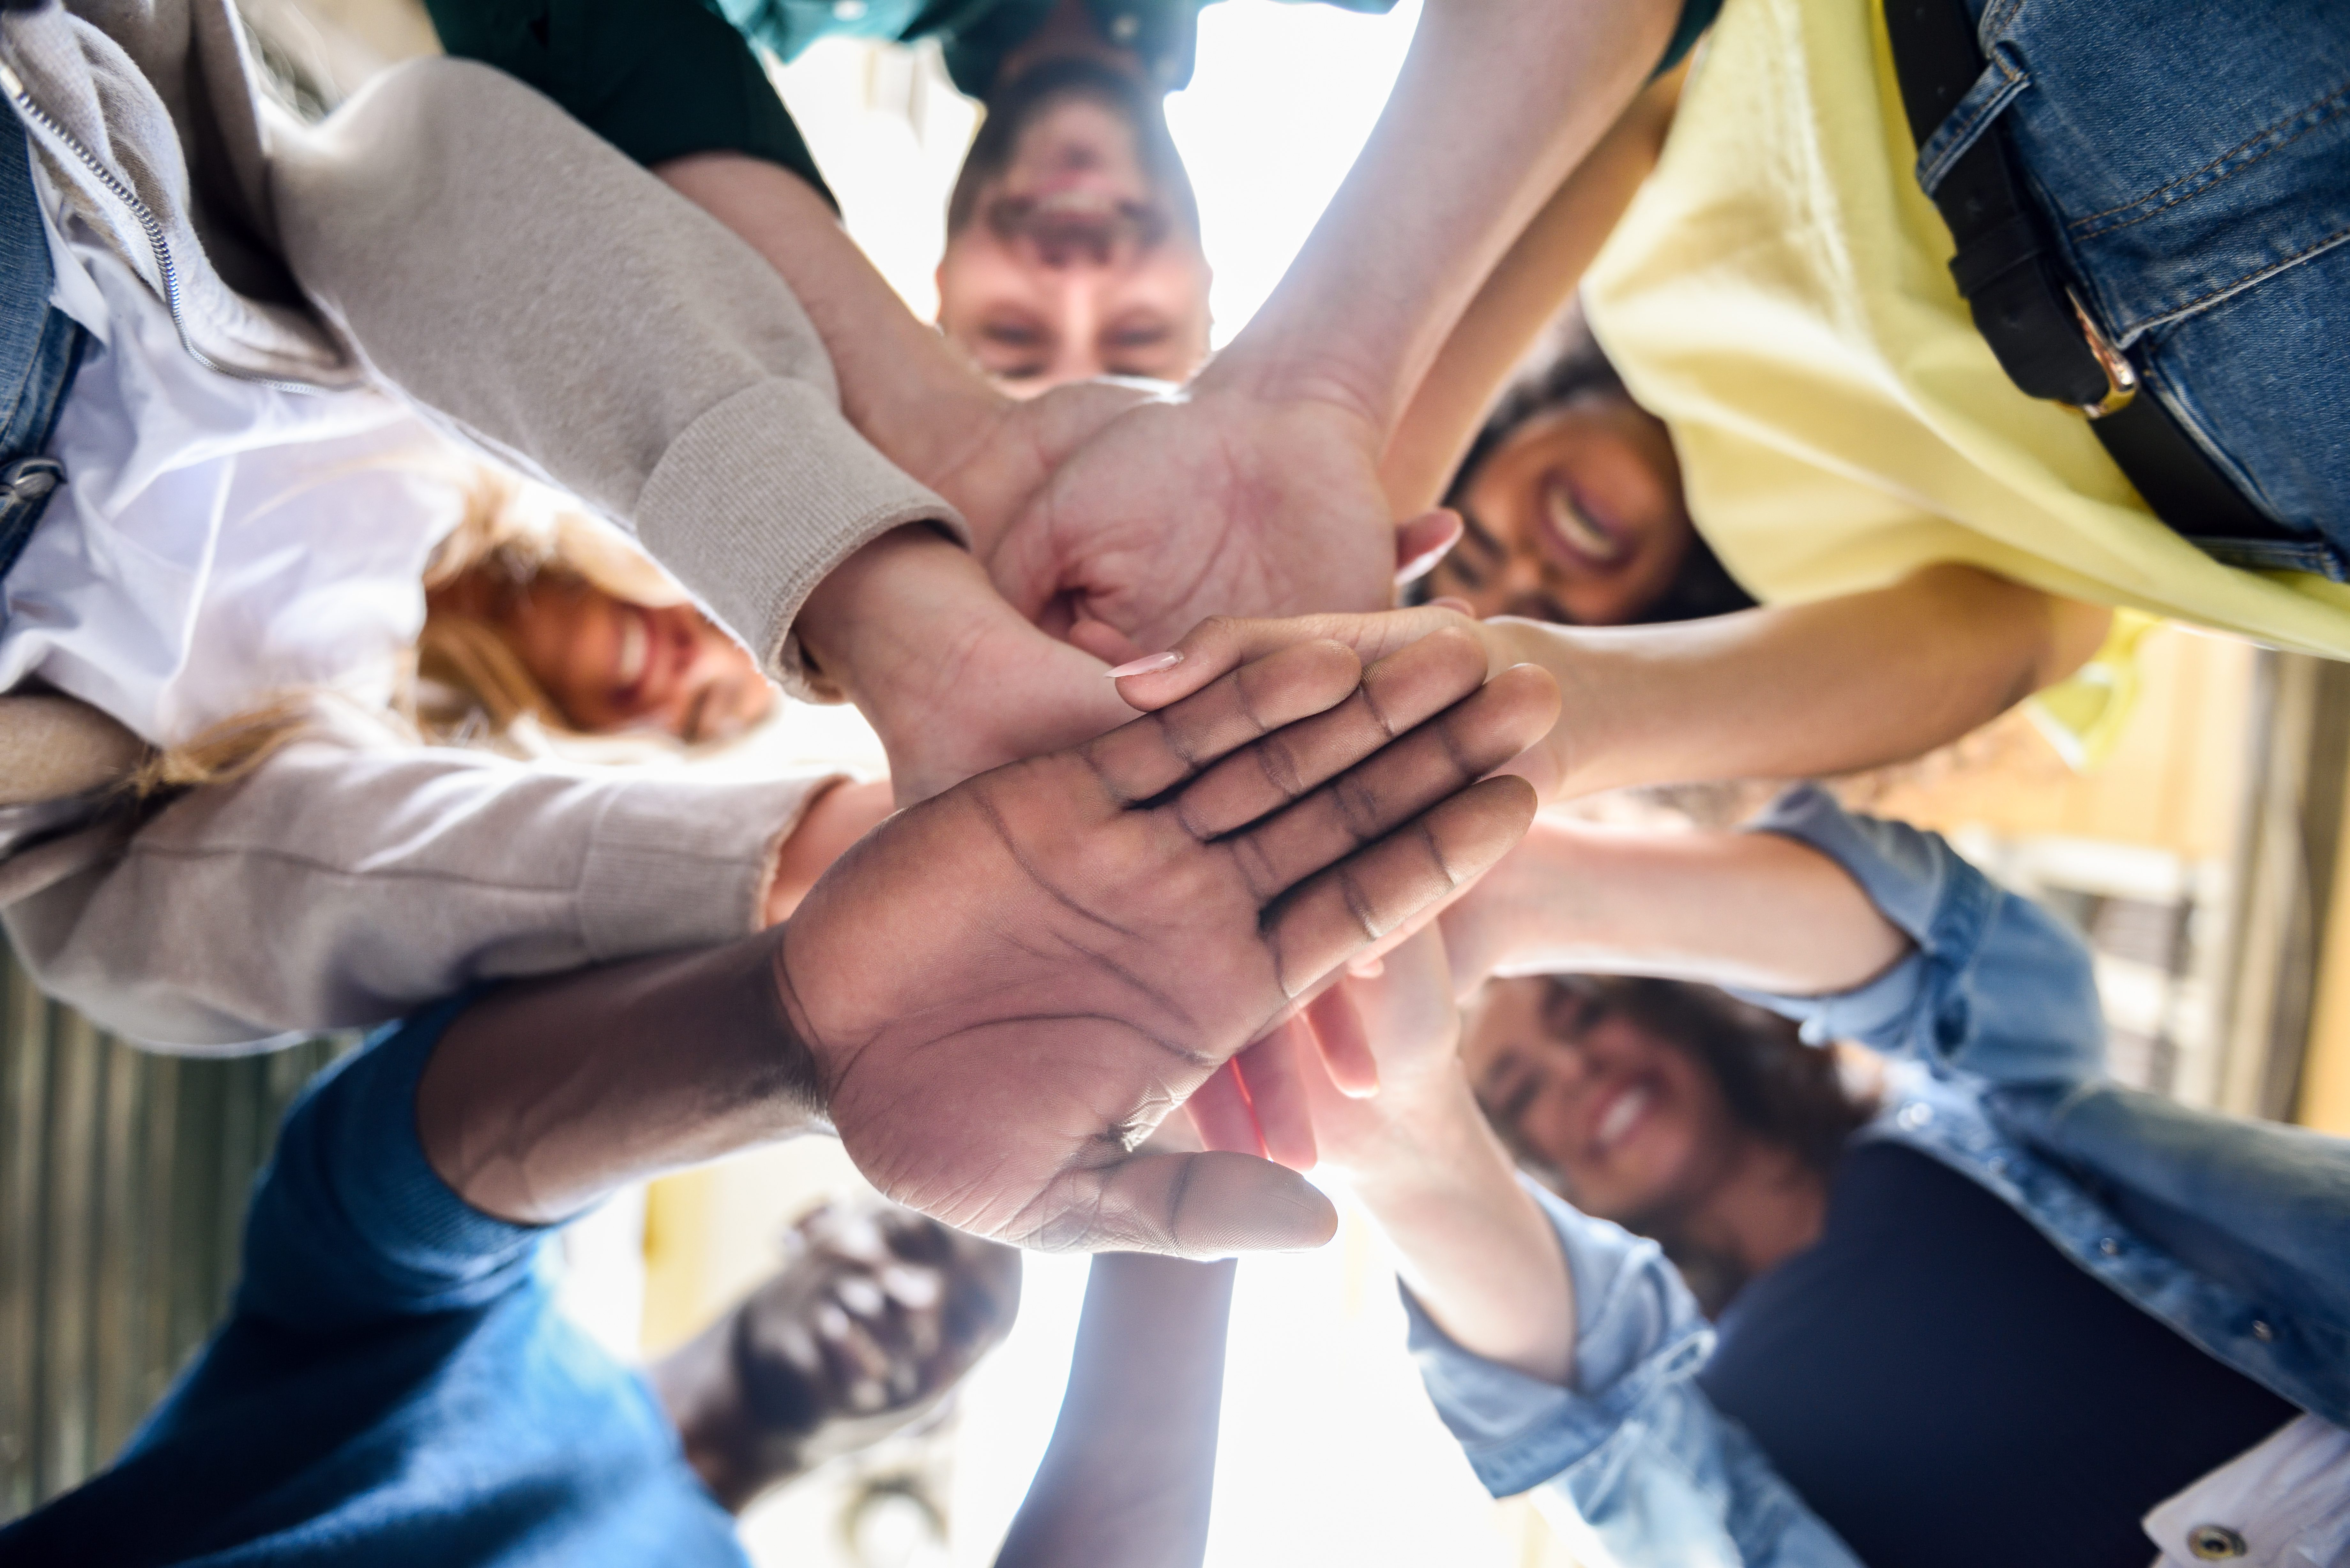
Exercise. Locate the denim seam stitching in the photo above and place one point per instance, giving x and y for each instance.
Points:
(2157, 383)
(2235, 285)
(2339, 97)
(1953, 140)
(1999, 18)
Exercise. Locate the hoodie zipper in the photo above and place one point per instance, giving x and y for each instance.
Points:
(165, 267)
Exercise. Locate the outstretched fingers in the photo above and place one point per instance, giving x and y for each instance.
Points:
(1192, 1205)
(1345, 1046)
(1257, 1102)
(1221, 1113)
(1222, 644)
(1345, 910)
(1396, 784)
(1397, 694)
(1151, 755)
(1269, 1071)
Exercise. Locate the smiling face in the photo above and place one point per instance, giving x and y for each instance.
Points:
(609, 665)
(1633, 1126)
(1073, 249)
(1575, 515)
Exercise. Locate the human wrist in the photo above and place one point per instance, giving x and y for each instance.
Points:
(1582, 744)
(1417, 1163)
(842, 812)
(658, 1062)
(1537, 904)
(851, 625)
(905, 388)
(1268, 369)
(936, 424)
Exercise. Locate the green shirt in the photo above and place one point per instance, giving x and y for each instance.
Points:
(661, 78)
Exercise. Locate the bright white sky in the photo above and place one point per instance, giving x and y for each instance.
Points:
(1283, 99)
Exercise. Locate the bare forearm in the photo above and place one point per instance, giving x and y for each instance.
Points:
(1476, 1250)
(1796, 690)
(1437, 195)
(544, 1096)
(1130, 1473)
(954, 679)
(1524, 293)
(902, 385)
(1750, 909)
(836, 819)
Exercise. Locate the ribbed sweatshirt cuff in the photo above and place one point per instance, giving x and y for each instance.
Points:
(402, 1202)
(683, 863)
(760, 498)
(350, 1225)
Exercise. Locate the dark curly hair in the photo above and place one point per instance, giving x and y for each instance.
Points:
(1703, 585)
(1776, 1087)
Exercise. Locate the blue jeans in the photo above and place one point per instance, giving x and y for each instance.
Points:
(2193, 160)
(40, 349)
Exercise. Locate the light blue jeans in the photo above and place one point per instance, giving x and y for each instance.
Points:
(40, 349)
(2193, 159)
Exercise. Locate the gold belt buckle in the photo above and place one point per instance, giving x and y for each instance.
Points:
(2121, 376)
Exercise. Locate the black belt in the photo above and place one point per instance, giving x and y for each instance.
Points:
(2024, 306)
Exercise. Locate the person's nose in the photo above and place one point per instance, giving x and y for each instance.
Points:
(1571, 1065)
(1070, 297)
(1521, 577)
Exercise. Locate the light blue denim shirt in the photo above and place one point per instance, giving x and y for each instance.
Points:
(2235, 1234)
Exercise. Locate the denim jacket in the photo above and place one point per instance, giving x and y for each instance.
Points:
(2235, 1234)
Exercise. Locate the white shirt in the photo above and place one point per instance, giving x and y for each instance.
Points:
(216, 542)
(2284, 1503)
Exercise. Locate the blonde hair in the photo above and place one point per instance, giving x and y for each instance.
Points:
(461, 684)
(229, 750)
(474, 687)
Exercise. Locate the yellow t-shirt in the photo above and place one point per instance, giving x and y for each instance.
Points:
(1780, 295)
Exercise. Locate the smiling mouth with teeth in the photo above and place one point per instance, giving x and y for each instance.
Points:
(1568, 523)
(1629, 1104)
(636, 648)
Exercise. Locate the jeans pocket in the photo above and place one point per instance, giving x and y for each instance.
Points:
(1964, 126)
(2184, 150)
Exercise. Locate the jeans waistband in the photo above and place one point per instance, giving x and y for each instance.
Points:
(2029, 307)
(40, 350)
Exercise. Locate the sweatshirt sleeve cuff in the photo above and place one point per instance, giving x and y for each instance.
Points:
(681, 863)
(1637, 1332)
(1902, 871)
(350, 1224)
(760, 498)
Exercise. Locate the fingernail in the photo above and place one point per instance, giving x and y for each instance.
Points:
(1149, 664)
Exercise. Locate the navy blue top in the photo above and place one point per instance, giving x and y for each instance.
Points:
(1858, 1366)
(393, 1385)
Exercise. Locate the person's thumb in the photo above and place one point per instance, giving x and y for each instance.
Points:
(1104, 641)
(1190, 1205)
(1421, 541)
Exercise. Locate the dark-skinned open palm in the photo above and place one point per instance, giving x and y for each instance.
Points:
(1006, 988)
